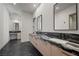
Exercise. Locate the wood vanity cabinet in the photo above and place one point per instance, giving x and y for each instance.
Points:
(56, 51)
(46, 48)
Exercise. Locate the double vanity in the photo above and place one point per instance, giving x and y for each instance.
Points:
(48, 46)
(65, 19)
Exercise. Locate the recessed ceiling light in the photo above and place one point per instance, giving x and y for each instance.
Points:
(16, 21)
(34, 5)
(14, 3)
(57, 8)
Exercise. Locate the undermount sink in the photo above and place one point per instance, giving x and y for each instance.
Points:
(45, 37)
(72, 46)
(66, 44)
(59, 41)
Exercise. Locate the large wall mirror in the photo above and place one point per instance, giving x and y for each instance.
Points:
(39, 23)
(65, 16)
(34, 24)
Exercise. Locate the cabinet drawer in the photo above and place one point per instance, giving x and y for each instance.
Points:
(45, 48)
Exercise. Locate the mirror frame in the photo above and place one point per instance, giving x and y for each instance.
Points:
(69, 20)
(65, 29)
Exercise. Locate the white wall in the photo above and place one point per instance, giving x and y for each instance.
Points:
(26, 23)
(12, 21)
(1, 26)
(15, 14)
(27, 26)
(4, 26)
(46, 9)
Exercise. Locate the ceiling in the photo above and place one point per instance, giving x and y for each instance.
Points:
(62, 6)
(25, 7)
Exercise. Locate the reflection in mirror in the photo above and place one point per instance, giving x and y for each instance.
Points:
(65, 16)
(39, 23)
(34, 24)
(16, 26)
(72, 21)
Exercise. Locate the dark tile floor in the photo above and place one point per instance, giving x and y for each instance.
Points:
(16, 48)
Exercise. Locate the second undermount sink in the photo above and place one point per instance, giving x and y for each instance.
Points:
(59, 41)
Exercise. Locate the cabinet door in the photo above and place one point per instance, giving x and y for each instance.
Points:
(41, 46)
(33, 40)
(56, 51)
(45, 47)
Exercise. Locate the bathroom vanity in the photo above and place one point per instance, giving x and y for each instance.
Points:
(15, 35)
(49, 47)
(51, 43)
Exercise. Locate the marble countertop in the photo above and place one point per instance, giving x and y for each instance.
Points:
(14, 31)
(64, 43)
